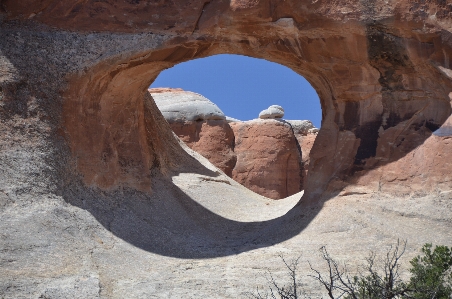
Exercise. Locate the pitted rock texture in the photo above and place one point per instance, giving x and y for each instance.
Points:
(274, 111)
(268, 158)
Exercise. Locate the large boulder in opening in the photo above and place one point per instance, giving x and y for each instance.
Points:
(178, 105)
(268, 158)
(199, 123)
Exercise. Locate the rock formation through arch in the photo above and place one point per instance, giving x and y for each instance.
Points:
(74, 108)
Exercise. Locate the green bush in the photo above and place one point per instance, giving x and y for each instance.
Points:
(431, 277)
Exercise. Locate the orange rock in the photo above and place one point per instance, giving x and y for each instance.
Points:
(382, 72)
(214, 139)
(306, 143)
(268, 159)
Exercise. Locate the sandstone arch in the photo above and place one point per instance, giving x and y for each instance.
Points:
(382, 76)
(72, 105)
(374, 111)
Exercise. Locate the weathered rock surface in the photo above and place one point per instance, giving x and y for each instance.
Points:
(274, 111)
(95, 193)
(268, 158)
(214, 139)
(381, 74)
(178, 105)
(199, 123)
(263, 156)
(305, 132)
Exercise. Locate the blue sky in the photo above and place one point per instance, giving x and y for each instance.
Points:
(242, 86)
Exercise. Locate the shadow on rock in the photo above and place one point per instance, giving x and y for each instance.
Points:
(170, 223)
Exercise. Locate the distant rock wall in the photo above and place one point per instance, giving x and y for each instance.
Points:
(214, 139)
(268, 156)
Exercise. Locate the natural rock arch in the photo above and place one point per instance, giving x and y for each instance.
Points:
(73, 107)
(382, 76)
(364, 110)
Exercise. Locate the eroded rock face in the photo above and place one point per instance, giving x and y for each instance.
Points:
(214, 139)
(268, 159)
(263, 156)
(82, 145)
(199, 123)
(305, 132)
(381, 70)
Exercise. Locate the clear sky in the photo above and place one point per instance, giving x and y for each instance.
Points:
(242, 86)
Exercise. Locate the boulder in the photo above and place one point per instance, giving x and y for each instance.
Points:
(199, 123)
(180, 105)
(214, 139)
(274, 111)
(268, 158)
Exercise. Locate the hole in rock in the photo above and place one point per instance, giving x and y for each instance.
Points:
(253, 119)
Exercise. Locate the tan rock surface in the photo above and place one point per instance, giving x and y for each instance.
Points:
(268, 159)
(99, 201)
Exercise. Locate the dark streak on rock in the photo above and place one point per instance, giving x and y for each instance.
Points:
(368, 133)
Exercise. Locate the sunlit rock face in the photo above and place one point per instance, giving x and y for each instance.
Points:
(268, 157)
(382, 71)
(99, 200)
(262, 155)
(199, 123)
(179, 106)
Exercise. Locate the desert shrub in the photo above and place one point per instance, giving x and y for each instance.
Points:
(431, 277)
(431, 273)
